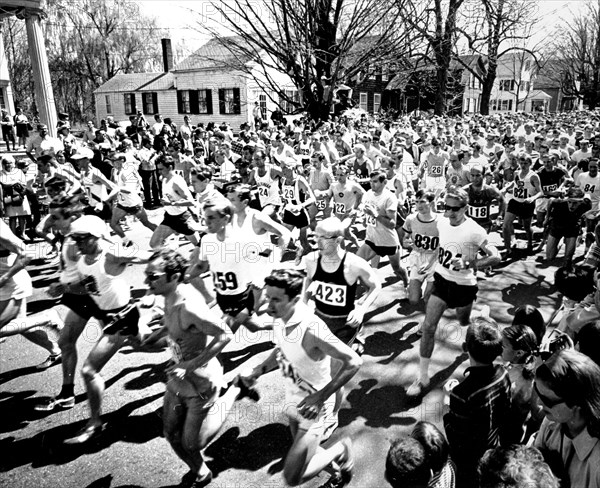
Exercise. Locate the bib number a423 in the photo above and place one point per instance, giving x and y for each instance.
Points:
(330, 294)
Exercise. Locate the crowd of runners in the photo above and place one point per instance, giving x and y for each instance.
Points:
(282, 227)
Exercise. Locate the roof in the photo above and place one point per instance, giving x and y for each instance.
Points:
(538, 95)
(127, 82)
(164, 82)
(213, 54)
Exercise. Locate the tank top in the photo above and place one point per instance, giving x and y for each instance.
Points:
(299, 370)
(245, 232)
(109, 292)
(268, 189)
(344, 197)
(333, 295)
(231, 261)
(186, 344)
(291, 191)
(550, 180)
(69, 272)
(128, 179)
(169, 193)
(523, 187)
(591, 187)
(304, 149)
(479, 203)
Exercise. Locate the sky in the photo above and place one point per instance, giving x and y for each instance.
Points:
(182, 18)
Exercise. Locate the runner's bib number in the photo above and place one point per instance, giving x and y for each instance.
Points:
(225, 281)
(589, 188)
(370, 220)
(263, 191)
(331, 294)
(339, 208)
(478, 212)
(436, 170)
(288, 193)
(445, 257)
(521, 192)
(549, 187)
(320, 204)
(427, 243)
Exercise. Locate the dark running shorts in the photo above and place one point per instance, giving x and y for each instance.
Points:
(453, 294)
(179, 223)
(299, 221)
(339, 327)
(234, 304)
(566, 232)
(382, 250)
(82, 305)
(523, 210)
(130, 210)
(123, 320)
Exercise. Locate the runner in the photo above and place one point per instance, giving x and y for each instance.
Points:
(15, 287)
(129, 200)
(177, 200)
(266, 178)
(319, 180)
(526, 190)
(101, 269)
(423, 229)
(589, 182)
(305, 349)
(481, 196)
(433, 169)
(193, 412)
(455, 281)
(231, 259)
(380, 208)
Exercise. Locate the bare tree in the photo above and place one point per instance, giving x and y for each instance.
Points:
(493, 28)
(573, 59)
(436, 23)
(319, 44)
(88, 42)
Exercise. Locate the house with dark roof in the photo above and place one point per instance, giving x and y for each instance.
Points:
(206, 86)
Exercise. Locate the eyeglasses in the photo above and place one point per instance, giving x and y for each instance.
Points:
(80, 237)
(450, 208)
(545, 400)
(154, 277)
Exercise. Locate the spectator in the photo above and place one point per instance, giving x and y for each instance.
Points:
(16, 205)
(515, 467)
(43, 143)
(568, 386)
(531, 316)
(8, 130)
(587, 341)
(23, 126)
(437, 453)
(406, 464)
(479, 404)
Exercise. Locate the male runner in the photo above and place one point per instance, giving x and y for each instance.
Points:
(380, 208)
(193, 412)
(346, 196)
(304, 350)
(101, 267)
(423, 229)
(481, 196)
(455, 282)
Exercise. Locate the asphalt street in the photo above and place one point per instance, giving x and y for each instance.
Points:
(247, 453)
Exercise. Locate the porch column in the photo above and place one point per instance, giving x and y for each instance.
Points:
(44, 95)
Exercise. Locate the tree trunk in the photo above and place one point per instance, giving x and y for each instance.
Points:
(442, 91)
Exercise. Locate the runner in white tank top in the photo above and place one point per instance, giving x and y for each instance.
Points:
(302, 339)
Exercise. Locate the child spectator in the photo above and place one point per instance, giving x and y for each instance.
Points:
(515, 467)
(437, 452)
(587, 341)
(532, 317)
(519, 349)
(479, 404)
(406, 464)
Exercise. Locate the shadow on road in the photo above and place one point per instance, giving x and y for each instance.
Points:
(47, 448)
(232, 359)
(259, 448)
(380, 406)
(382, 343)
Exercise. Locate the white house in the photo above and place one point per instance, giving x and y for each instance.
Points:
(201, 86)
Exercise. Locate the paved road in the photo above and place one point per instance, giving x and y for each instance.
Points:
(247, 453)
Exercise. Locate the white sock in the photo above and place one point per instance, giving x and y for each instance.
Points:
(424, 370)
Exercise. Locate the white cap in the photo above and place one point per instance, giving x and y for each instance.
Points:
(89, 224)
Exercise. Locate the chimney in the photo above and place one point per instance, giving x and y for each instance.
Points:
(167, 53)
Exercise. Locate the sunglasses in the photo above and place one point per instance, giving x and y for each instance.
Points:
(80, 237)
(545, 400)
(453, 209)
(154, 277)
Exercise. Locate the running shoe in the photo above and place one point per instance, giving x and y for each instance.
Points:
(51, 404)
(417, 388)
(50, 361)
(85, 435)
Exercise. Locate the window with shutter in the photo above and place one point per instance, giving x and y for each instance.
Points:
(222, 101)
(154, 103)
(183, 101)
(237, 104)
(194, 109)
(129, 102)
(209, 105)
